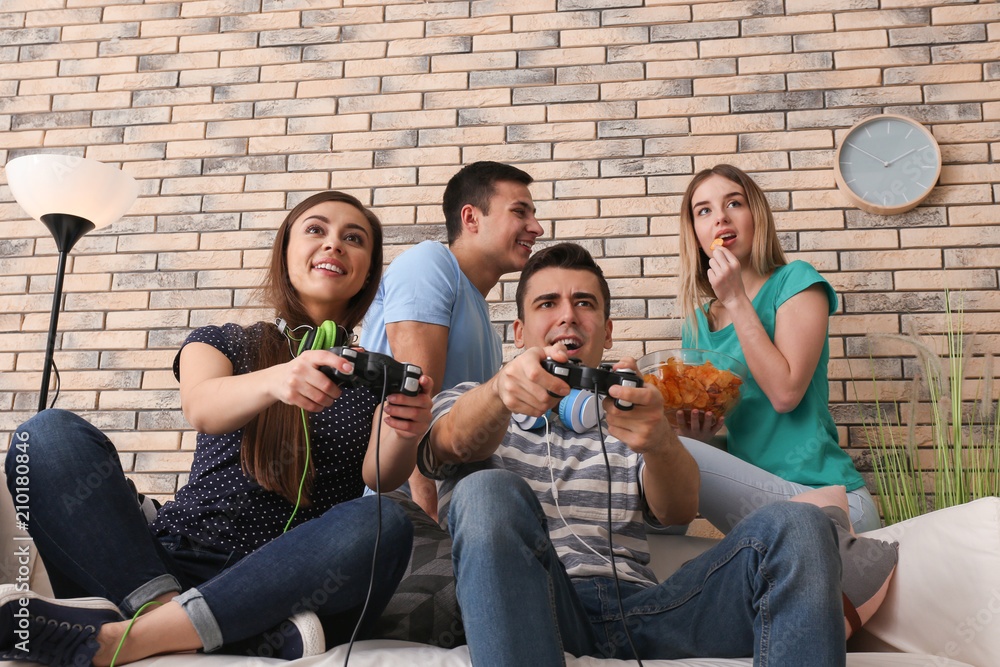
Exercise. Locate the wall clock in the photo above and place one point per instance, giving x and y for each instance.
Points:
(887, 164)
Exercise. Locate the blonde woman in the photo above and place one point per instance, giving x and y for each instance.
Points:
(741, 297)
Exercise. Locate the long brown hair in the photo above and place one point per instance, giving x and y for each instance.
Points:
(273, 451)
(765, 254)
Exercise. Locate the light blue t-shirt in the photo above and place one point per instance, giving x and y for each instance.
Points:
(426, 284)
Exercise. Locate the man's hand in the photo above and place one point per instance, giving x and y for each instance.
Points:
(525, 387)
(670, 480)
(644, 428)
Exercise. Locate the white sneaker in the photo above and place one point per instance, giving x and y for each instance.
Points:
(298, 637)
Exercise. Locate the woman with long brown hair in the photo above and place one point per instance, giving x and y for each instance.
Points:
(741, 297)
(271, 524)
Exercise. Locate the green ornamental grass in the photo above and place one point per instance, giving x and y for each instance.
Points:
(966, 443)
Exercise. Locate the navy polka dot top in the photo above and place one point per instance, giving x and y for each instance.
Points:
(221, 507)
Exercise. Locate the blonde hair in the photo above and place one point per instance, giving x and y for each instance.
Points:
(765, 255)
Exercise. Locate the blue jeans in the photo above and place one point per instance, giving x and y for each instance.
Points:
(731, 489)
(770, 589)
(94, 540)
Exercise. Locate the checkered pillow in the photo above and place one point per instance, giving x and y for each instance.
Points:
(424, 608)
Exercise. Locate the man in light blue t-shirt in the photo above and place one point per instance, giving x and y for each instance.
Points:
(431, 308)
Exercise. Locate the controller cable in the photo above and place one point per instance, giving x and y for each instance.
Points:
(378, 506)
(55, 369)
(305, 469)
(305, 421)
(611, 546)
(378, 489)
(555, 493)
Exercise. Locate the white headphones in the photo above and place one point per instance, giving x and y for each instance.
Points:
(579, 411)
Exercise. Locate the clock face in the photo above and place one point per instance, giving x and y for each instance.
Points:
(890, 163)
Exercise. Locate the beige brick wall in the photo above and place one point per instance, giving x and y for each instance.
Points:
(231, 111)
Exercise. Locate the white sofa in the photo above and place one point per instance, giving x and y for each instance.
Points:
(942, 606)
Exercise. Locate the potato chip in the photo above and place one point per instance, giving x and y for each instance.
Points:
(715, 244)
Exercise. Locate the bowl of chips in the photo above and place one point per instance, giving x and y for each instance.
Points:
(690, 379)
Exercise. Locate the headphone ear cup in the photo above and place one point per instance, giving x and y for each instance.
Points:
(579, 410)
(323, 338)
(338, 334)
(307, 342)
(528, 423)
(329, 335)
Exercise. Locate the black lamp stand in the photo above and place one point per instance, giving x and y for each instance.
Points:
(66, 230)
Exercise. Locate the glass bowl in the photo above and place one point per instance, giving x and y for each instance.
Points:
(691, 379)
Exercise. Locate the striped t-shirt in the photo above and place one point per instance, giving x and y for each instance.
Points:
(576, 470)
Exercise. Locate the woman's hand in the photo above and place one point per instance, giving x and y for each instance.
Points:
(726, 276)
(699, 428)
(301, 383)
(216, 402)
(410, 416)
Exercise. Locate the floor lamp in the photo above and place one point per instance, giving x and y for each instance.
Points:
(71, 196)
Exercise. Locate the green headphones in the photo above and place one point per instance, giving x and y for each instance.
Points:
(327, 335)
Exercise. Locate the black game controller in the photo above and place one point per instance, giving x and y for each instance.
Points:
(597, 380)
(372, 369)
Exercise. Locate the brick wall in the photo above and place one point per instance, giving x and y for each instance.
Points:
(229, 112)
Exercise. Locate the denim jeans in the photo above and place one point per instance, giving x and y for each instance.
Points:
(94, 540)
(731, 489)
(770, 589)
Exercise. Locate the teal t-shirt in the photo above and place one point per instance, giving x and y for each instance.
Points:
(802, 445)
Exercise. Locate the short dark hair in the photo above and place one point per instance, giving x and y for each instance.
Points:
(473, 184)
(562, 256)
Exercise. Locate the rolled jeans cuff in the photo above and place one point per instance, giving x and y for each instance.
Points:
(202, 618)
(165, 583)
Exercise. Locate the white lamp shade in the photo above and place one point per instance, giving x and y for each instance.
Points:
(44, 184)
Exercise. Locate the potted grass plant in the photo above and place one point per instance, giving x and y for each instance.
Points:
(965, 438)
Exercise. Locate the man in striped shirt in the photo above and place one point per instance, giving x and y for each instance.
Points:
(529, 513)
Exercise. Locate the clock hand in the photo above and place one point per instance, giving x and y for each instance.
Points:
(884, 163)
(900, 157)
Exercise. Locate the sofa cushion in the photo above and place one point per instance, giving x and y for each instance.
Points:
(868, 563)
(381, 653)
(12, 561)
(945, 597)
(424, 607)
